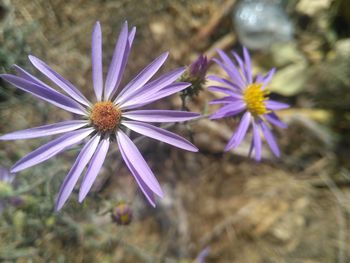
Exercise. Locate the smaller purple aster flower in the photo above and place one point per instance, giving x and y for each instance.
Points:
(250, 97)
(122, 214)
(104, 121)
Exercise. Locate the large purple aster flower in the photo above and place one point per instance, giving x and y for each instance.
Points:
(248, 96)
(105, 120)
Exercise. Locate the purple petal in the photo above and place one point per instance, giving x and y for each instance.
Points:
(76, 170)
(94, 168)
(270, 139)
(231, 69)
(144, 188)
(45, 93)
(145, 75)
(268, 78)
(149, 98)
(116, 68)
(275, 105)
(228, 110)
(242, 67)
(131, 36)
(224, 90)
(238, 136)
(224, 81)
(6, 176)
(160, 115)
(273, 118)
(133, 156)
(259, 78)
(51, 149)
(160, 135)
(45, 130)
(248, 65)
(27, 76)
(202, 255)
(59, 80)
(224, 100)
(251, 149)
(125, 58)
(256, 141)
(235, 79)
(151, 87)
(96, 59)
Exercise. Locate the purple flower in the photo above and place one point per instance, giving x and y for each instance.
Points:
(105, 120)
(248, 96)
(122, 214)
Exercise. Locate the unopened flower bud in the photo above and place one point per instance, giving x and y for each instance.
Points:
(196, 75)
(122, 214)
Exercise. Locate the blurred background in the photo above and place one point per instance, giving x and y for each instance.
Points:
(218, 207)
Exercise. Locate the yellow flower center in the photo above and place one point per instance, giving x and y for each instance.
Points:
(254, 97)
(105, 116)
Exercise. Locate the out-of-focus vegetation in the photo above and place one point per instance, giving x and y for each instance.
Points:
(295, 209)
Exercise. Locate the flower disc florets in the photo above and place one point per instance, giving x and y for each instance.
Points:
(254, 97)
(105, 116)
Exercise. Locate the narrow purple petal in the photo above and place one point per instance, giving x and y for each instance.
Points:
(160, 115)
(160, 135)
(231, 69)
(116, 69)
(248, 66)
(273, 119)
(202, 255)
(149, 98)
(125, 59)
(145, 75)
(94, 168)
(59, 80)
(27, 76)
(133, 156)
(51, 149)
(45, 130)
(96, 59)
(259, 78)
(224, 81)
(275, 105)
(45, 93)
(131, 36)
(152, 87)
(268, 78)
(76, 170)
(251, 147)
(228, 110)
(270, 139)
(238, 136)
(144, 188)
(224, 100)
(242, 67)
(224, 90)
(256, 141)
(235, 79)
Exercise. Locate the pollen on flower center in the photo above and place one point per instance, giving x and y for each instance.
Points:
(105, 116)
(254, 97)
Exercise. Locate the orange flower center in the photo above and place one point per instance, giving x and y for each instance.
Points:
(105, 116)
(254, 97)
